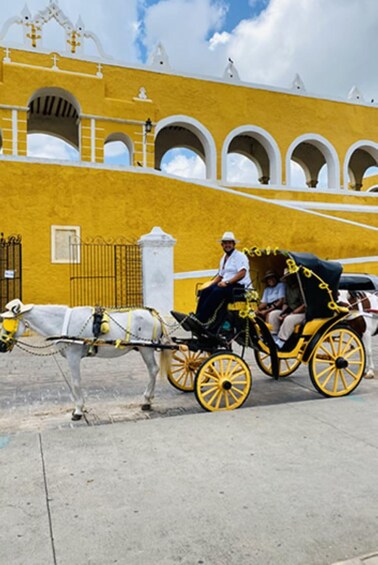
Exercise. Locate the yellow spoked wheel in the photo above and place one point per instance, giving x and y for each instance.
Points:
(287, 366)
(338, 362)
(223, 382)
(184, 366)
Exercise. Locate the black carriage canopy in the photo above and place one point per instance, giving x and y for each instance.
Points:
(316, 295)
(358, 281)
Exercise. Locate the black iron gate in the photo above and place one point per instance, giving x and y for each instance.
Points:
(10, 269)
(105, 273)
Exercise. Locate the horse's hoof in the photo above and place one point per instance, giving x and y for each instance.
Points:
(146, 407)
(76, 417)
(369, 376)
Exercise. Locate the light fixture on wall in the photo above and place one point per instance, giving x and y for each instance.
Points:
(148, 125)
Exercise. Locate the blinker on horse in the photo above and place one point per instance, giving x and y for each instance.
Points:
(141, 329)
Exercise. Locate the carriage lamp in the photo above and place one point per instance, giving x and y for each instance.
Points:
(148, 125)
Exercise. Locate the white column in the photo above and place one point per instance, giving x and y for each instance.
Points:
(157, 265)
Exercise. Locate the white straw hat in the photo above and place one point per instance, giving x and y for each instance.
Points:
(228, 236)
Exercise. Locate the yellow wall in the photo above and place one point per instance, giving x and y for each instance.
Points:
(129, 204)
(112, 203)
(219, 106)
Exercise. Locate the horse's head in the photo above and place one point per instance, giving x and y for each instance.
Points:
(12, 324)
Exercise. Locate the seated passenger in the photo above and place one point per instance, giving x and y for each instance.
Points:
(233, 273)
(273, 296)
(293, 312)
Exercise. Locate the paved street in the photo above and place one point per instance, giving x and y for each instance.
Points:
(291, 478)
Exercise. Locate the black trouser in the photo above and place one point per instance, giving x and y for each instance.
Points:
(211, 297)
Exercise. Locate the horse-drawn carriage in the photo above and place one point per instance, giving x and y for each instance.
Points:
(207, 362)
(334, 352)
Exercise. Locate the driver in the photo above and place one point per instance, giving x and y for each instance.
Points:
(233, 273)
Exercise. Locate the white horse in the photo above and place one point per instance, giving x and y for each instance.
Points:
(364, 306)
(137, 326)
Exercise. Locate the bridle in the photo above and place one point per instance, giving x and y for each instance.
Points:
(8, 330)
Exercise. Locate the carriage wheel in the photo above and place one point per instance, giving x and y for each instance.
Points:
(223, 382)
(338, 362)
(184, 366)
(286, 366)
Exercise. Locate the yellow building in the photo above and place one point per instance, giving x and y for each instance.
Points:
(92, 102)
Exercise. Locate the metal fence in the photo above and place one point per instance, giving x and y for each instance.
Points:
(105, 273)
(10, 269)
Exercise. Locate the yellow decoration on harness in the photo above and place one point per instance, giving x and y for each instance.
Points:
(105, 323)
(10, 325)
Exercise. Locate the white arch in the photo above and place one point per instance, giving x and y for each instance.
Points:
(326, 148)
(373, 188)
(369, 146)
(56, 91)
(203, 135)
(266, 140)
(119, 136)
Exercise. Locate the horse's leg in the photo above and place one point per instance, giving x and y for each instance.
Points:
(367, 339)
(73, 355)
(148, 356)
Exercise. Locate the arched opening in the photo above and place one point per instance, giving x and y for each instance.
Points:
(190, 140)
(251, 149)
(1, 142)
(242, 170)
(312, 162)
(361, 163)
(54, 112)
(45, 146)
(373, 189)
(256, 152)
(118, 150)
(183, 163)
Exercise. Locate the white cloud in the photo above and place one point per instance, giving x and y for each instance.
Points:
(182, 165)
(240, 169)
(49, 147)
(218, 39)
(183, 26)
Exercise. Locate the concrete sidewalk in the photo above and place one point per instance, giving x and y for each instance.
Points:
(292, 478)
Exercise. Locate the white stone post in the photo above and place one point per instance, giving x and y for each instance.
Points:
(157, 266)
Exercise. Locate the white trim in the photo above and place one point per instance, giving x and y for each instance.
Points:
(352, 260)
(93, 140)
(330, 206)
(14, 132)
(267, 141)
(54, 230)
(362, 144)
(195, 274)
(328, 151)
(203, 135)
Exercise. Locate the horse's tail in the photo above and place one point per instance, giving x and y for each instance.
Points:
(166, 362)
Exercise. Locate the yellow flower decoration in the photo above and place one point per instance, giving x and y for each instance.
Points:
(307, 273)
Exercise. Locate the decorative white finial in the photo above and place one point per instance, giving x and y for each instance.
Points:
(230, 72)
(298, 84)
(99, 71)
(159, 59)
(7, 58)
(55, 60)
(355, 95)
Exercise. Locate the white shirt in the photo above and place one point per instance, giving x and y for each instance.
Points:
(235, 263)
